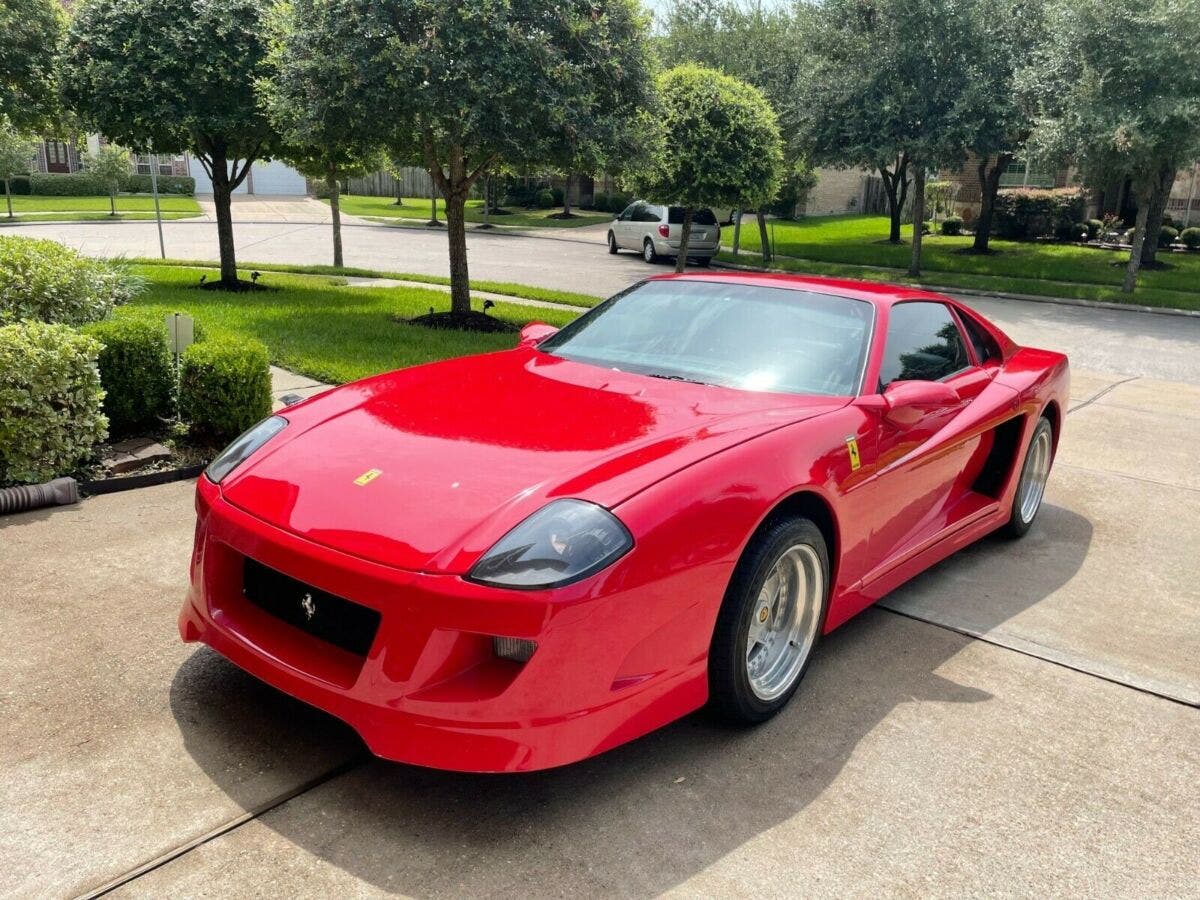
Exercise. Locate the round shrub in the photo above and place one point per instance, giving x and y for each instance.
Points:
(1166, 236)
(600, 201)
(557, 195)
(46, 281)
(618, 202)
(544, 199)
(952, 226)
(1095, 227)
(1190, 238)
(224, 388)
(137, 372)
(50, 401)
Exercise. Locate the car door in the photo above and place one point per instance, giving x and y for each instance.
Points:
(927, 379)
(624, 227)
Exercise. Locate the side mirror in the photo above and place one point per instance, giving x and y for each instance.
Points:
(907, 402)
(534, 333)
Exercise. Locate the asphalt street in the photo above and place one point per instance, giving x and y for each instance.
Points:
(1022, 720)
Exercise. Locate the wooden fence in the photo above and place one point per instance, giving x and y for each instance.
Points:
(410, 182)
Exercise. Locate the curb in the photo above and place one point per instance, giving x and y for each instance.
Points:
(993, 295)
(132, 482)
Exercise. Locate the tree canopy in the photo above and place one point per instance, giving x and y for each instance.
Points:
(31, 32)
(173, 77)
(721, 145)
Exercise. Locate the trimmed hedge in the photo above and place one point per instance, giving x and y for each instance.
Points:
(1026, 213)
(50, 401)
(1190, 238)
(224, 388)
(46, 281)
(137, 372)
(1166, 237)
(83, 184)
(544, 199)
(1094, 228)
(952, 226)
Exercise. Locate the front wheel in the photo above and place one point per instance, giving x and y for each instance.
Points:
(1032, 487)
(770, 622)
(648, 253)
(612, 243)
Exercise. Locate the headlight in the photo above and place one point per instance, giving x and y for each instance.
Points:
(562, 542)
(237, 452)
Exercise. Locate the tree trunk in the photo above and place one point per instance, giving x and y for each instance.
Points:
(335, 208)
(685, 237)
(566, 210)
(456, 226)
(763, 240)
(989, 186)
(914, 267)
(222, 198)
(895, 186)
(737, 232)
(112, 202)
(1158, 210)
(1145, 199)
(433, 192)
(8, 196)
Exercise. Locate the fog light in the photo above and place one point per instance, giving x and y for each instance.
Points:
(516, 649)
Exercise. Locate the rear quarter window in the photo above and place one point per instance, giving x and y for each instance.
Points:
(701, 216)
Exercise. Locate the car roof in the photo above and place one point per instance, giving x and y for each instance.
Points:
(879, 293)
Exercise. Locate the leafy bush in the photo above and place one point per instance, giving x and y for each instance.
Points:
(136, 371)
(952, 226)
(1094, 228)
(1025, 213)
(600, 201)
(75, 184)
(46, 281)
(184, 185)
(1166, 236)
(1190, 238)
(19, 185)
(224, 388)
(618, 202)
(50, 396)
(556, 194)
(544, 199)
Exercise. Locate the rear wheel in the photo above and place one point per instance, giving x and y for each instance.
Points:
(704, 261)
(612, 243)
(1032, 487)
(770, 622)
(648, 253)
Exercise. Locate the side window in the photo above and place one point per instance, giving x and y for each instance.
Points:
(923, 344)
(984, 344)
(628, 212)
(647, 213)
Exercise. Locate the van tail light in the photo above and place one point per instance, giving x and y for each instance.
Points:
(664, 230)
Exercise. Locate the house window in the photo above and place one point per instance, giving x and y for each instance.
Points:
(1020, 174)
(165, 164)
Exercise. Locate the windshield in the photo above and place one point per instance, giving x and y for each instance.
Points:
(734, 335)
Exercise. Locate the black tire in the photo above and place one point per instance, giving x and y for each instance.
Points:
(704, 261)
(612, 243)
(1018, 524)
(731, 697)
(648, 253)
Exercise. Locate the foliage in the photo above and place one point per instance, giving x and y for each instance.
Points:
(183, 185)
(544, 199)
(32, 32)
(1190, 238)
(50, 396)
(798, 180)
(16, 157)
(224, 387)
(1167, 236)
(467, 86)
(73, 184)
(1093, 228)
(952, 226)
(46, 281)
(939, 197)
(136, 370)
(109, 165)
(1024, 213)
(723, 146)
(170, 77)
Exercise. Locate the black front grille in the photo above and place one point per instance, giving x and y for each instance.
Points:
(326, 616)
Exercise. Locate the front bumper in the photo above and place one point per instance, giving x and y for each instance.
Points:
(431, 691)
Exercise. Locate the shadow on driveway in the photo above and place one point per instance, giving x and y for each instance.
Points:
(634, 821)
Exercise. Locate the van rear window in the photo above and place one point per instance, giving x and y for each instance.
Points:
(702, 216)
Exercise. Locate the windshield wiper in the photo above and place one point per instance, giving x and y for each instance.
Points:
(666, 377)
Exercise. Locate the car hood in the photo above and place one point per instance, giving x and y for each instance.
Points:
(425, 468)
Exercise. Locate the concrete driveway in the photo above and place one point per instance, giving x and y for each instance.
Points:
(1021, 720)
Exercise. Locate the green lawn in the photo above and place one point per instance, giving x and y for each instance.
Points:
(126, 203)
(315, 325)
(855, 246)
(419, 208)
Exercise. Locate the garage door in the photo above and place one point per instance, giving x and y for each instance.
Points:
(278, 178)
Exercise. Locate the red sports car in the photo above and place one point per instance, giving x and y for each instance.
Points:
(517, 560)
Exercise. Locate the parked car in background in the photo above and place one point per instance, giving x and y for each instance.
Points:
(656, 231)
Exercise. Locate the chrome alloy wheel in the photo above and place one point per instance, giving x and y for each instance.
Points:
(784, 622)
(1034, 475)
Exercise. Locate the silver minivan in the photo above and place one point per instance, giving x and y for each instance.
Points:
(655, 231)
